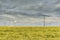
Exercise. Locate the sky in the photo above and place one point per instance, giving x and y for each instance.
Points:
(29, 12)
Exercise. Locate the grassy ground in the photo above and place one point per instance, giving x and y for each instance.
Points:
(29, 33)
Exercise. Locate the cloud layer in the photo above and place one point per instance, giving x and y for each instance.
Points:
(28, 12)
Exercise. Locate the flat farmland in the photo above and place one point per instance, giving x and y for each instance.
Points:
(29, 33)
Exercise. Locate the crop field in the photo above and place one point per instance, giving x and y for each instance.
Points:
(29, 33)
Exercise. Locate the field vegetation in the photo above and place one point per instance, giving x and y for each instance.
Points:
(29, 33)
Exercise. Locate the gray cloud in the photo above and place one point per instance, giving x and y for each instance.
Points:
(10, 9)
(43, 7)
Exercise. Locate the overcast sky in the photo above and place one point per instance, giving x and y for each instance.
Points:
(29, 12)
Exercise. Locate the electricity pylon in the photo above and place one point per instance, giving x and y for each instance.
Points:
(44, 19)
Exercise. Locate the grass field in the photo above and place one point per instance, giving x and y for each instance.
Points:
(29, 33)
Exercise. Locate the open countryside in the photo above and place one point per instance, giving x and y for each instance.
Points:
(29, 33)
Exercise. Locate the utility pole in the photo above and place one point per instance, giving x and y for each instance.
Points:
(44, 19)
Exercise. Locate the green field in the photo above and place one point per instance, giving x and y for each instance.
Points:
(29, 33)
